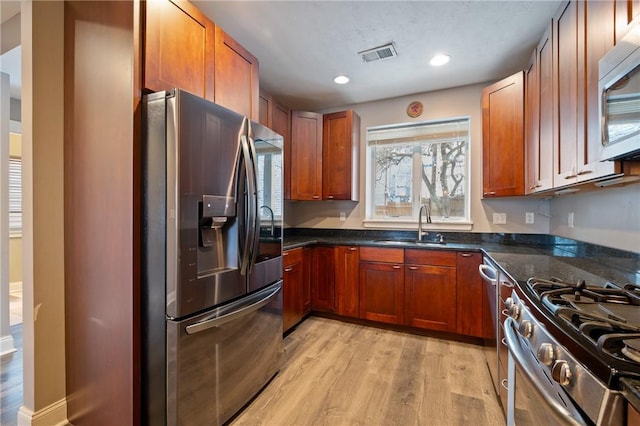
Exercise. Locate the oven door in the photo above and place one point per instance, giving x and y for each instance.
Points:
(534, 397)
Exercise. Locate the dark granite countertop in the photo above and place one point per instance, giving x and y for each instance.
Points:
(520, 256)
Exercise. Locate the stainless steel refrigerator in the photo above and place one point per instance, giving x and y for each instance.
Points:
(211, 318)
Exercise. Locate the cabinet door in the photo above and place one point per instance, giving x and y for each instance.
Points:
(281, 122)
(306, 156)
(307, 260)
(347, 281)
(179, 48)
(503, 137)
(340, 147)
(596, 29)
(293, 277)
(323, 279)
(430, 297)
(236, 76)
(539, 116)
(472, 311)
(566, 103)
(382, 292)
(265, 109)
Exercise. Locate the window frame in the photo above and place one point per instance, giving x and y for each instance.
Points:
(406, 222)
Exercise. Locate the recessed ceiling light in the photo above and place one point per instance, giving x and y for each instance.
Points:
(341, 79)
(440, 59)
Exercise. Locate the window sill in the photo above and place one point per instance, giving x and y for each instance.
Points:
(413, 225)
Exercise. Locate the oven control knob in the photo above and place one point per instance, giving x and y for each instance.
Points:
(545, 354)
(514, 311)
(508, 303)
(561, 372)
(526, 329)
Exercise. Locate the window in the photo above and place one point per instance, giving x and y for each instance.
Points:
(15, 196)
(419, 163)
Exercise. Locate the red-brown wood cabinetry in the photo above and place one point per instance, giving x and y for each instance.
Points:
(472, 304)
(323, 287)
(292, 288)
(340, 155)
(306, 156)
(430, 289)
(382, 284)
(347, 281)
(236, 76)
(503, 137)
(179, 46)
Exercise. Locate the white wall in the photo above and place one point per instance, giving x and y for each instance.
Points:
(458, 102)
(609, 216)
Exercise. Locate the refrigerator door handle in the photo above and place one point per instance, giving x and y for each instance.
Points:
(218, 321)
(251, 211)
(256, 224)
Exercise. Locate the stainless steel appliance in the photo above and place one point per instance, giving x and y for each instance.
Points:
(211, 322)
(619, 87)
(570, 344)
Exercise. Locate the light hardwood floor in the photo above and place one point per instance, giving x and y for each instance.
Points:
(337, 373)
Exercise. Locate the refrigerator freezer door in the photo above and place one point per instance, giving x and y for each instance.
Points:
(219, 360)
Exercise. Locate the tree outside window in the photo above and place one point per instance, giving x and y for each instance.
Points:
(415, 164)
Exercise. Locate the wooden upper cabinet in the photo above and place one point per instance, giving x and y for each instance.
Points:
(281, 124)
(503, 137)
(236, 76)
(264, 109)
(179, 48)
(305, 155)
(596, 27)
(539, 117)
(340, 155)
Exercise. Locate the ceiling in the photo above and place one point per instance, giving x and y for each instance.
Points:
(302, 45)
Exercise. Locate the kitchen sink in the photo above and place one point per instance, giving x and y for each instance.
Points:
(405, 241)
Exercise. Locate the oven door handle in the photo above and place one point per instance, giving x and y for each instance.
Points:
(519, 355)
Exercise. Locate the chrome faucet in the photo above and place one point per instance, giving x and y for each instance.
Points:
(272, 218)
(427, 209)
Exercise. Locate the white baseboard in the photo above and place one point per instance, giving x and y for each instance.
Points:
(53, 415)
(6, 345)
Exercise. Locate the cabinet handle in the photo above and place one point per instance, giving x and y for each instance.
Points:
(413, 268)
(466, 254)
(286, 253)
(330, 197)
(489, 193)
(396, 266)
(352, 248)
(584, 172)
(575, 175)
(315, 197)
(288, 269)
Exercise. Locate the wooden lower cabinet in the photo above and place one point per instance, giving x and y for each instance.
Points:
(382, 285)
(323, 297)
(472, 305)
(292, 288)
(430, 289)
(347, 281)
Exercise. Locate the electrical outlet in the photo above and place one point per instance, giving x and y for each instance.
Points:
(528, 217)
(570, 220)
(343, 216)
(499, 218)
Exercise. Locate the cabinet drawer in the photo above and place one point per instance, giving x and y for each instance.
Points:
(375, 254)
(291, 257)
(430, 257)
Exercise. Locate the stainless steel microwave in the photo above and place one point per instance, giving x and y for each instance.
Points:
(619, 87)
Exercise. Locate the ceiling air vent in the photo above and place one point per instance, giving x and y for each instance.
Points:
(377, 53)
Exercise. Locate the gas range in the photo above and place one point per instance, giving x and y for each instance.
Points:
(603, 320)
(584, 338)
